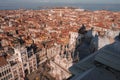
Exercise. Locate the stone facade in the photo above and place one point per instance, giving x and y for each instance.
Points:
(6, 72)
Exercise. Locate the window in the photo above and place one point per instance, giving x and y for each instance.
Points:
(9, 70)
(3, 78)
(5, 72)
(15, 72)
(9, 76)
(16, 78)
(25, 65)
(0, 75)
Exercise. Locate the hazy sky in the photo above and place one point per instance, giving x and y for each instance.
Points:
(65, 1)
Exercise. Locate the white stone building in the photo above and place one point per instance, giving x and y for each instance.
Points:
(5, 70)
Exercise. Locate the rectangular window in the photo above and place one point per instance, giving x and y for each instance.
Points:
(10, 76)
(7, 78)
(5, 72)
(25, 65)
(3, 78)
(0, 75)
(9, 70)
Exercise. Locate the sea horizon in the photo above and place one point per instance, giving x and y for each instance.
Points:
(12, 6)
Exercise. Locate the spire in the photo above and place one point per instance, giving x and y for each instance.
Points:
(82, 30)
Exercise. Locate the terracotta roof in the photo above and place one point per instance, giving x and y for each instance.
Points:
(3, 61)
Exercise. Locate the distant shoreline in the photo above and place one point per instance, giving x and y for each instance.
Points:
(37, 6)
